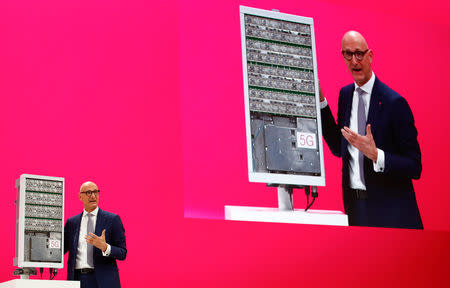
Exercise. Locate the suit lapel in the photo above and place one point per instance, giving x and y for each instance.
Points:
(375, 106)
(100, 222)
(348, 99)
(77, 232)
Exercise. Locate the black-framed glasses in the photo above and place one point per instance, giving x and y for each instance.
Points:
(359, 55)
(90, 192)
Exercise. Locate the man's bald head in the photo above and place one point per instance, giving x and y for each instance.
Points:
(354, 37)
(89, 195)
(88, 184)
(354, 45)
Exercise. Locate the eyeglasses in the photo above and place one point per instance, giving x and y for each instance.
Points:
(359, 55)
(89, 193)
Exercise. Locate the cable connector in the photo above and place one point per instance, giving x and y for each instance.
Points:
(314, 193)
(53, 272)
(307, 190)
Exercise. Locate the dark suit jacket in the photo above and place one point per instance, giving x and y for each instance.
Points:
(106, 270)
(391, 202)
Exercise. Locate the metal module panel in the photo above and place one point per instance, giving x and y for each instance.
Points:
(283, 125)
(40, 221)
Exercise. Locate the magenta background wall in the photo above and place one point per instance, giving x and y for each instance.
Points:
(89, 91)
(410, 55)
(123, 93)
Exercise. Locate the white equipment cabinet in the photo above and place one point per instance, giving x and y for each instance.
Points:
(39, 221)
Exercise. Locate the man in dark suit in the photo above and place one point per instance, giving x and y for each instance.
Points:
(376, 137)
(92, 258)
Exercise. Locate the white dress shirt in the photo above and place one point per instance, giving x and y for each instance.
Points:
(82, 244)
(378, 166)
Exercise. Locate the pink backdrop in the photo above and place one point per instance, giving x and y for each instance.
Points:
(90, 91)
(409, 55)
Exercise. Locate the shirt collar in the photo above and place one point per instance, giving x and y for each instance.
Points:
(367, 88)
(93, 212)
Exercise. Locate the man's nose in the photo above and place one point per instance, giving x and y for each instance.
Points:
(354, 61)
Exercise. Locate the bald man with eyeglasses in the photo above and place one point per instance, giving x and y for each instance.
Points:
(95, 239)
(376, 138)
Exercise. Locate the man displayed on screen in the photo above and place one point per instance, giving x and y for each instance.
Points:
(376, 137)
(94, 239)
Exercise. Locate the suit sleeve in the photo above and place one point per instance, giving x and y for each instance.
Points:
(406, 161)
(118, 242)
(332, 130)
(66, 236)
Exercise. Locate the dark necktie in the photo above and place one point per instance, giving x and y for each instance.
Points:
(90, 248)
(361, 130)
